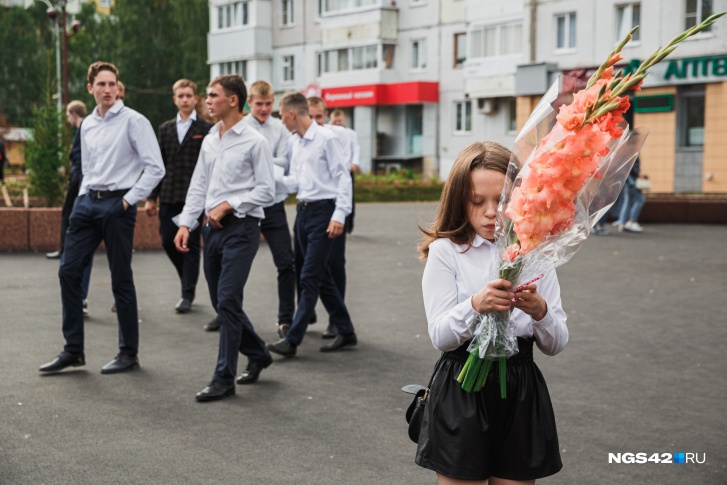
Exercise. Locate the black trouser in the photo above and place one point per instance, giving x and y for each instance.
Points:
(349, 218)
(186, 264)
(228, 256)
(313, 250)
(92, 221)
(277, 234)
(74, 185)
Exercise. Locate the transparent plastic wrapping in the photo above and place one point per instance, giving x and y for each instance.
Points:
(543, 217)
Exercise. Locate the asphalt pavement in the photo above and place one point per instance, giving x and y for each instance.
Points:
(644, 372)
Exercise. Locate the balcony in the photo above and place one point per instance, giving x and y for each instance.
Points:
(373, 22)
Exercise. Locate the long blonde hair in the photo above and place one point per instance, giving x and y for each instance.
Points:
(452, 219)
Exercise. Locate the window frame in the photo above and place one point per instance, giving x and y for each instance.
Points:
(329, 60)
(621, 29)
(457, 36)
(418, 59)
(232, 15)
(685, 98)
(231, 67)
(567, 31)
(460, 118)
(287, 13)
(479, 31)
(699, 16)
(288, 68)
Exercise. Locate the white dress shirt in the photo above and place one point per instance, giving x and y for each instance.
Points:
(452, 277)
(120, 151)
(350, 140)
(183, 126)
(318, 170)
(237, 168)
(344, 141)
(277, 135)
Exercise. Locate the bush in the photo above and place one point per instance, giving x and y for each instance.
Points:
(45, 154)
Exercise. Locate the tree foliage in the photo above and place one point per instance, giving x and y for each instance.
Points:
(46, 153)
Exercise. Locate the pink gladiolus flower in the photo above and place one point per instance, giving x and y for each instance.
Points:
(512, 252)
(617, 57)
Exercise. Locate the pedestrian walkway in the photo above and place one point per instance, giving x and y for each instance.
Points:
(644, 370)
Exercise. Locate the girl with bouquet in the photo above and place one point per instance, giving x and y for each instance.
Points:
(478, 435)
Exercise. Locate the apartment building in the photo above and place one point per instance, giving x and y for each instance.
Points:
(684, 99)
(421, 79)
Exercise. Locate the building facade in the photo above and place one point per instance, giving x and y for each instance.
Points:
(683, 99)
(421, 79)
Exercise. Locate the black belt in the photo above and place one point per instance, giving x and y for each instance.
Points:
(233, 220)
(106, 194)
(314, 203)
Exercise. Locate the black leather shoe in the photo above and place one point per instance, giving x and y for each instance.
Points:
(213, 325)
(252, 373)
(63, 360)
(283, 330)
(121, 363)
(331, 331)
(282, 347)
(215, 391)
(342, 342)
(183, 306)
(54, 255)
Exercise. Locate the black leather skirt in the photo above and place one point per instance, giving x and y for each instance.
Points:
(473, 436)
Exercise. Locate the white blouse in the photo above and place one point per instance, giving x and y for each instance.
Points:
(452, 276)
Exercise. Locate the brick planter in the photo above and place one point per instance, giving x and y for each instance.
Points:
(696, 209)
(38, 229)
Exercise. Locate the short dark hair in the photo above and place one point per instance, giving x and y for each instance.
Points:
(99, 66)
(233, 85)
(296, 102)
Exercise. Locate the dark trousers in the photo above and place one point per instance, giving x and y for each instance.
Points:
(74, 186)
(228, 256)
(313, 249)
(92, 221)
(337, 263)
(277, 234)
(186, 264)
(349, 219)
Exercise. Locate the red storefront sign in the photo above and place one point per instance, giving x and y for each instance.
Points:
(378, 94)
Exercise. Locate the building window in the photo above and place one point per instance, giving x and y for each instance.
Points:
(697, 12)
(330, 6)
(565, 26)
(105, 3)
(627, 17)
(353, 59)
(414, 129)
(691, 116)
(288, 68)
(419, 54)
(234, 67)
(463, 117)
(496, 40)
(512, 115)
(234, 14)
(460, 49)
(287, 18)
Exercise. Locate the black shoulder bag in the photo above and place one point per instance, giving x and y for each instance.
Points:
(415, 412)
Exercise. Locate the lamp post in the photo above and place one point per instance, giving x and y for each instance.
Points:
(60, 24)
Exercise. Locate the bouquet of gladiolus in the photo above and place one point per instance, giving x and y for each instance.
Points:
(569, 163)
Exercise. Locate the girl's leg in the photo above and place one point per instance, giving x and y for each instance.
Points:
(455, 481)
(504, 481)
(638, 204)
(492, 481)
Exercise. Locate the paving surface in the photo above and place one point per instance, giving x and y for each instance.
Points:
(644, 371)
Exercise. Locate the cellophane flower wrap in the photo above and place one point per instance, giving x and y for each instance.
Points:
(569, 163)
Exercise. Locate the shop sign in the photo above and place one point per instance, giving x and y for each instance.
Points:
(382, 94)
(692, 70)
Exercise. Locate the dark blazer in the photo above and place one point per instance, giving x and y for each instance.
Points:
(179, 159)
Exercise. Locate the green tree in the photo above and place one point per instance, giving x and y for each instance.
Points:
(22, 64)
(45, 154)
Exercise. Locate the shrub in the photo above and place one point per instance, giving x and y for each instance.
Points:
(45, 154)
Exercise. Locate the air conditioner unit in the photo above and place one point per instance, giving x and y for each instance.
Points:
(487, 106)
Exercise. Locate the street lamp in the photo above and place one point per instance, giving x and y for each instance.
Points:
(60, 23)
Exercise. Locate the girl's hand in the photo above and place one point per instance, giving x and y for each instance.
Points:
(530, 302)
(495, 296)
